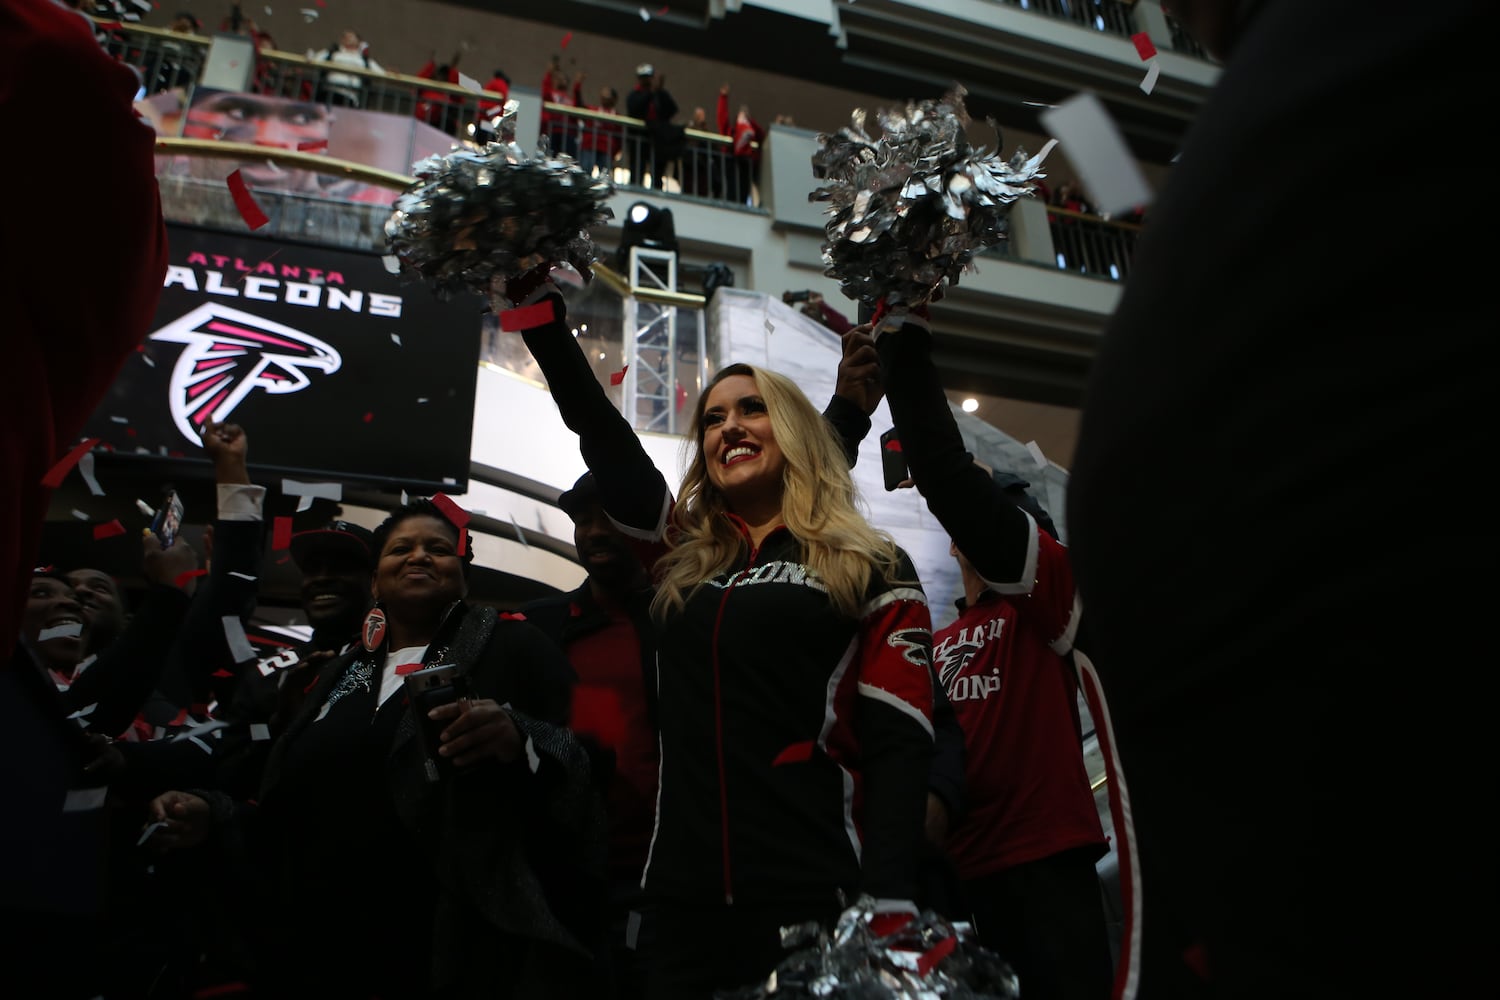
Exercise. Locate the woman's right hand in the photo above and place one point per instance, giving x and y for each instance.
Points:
(522, 286)
(185, 821)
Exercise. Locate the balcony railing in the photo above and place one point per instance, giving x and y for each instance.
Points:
(1092, 245)
(164, 59)
(1111, 16)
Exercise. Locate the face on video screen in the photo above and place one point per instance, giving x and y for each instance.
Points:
(274, 122)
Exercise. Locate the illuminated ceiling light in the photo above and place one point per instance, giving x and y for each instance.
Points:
(970, 405)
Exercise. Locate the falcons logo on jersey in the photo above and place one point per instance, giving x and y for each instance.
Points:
(228, 354)
(952, 656)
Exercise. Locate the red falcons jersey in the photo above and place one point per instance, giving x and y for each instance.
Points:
(1016, 699)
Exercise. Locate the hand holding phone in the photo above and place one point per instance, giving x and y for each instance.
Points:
(892, 461)
(440, 684)
(168, 519)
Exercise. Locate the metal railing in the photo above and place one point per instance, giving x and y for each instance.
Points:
(1184, 42)
(164, 59)
(701, 165)
(1111, 16)
(1092, 245)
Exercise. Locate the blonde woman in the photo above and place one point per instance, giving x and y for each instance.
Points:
(793, 680)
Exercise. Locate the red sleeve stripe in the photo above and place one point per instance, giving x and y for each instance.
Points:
(898, 703)
(1027, 580)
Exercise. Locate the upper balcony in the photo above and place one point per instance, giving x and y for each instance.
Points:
(1023, 326)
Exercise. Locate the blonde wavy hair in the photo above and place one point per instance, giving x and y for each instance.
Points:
(818, 504)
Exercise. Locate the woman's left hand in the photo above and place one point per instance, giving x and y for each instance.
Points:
(478, 730)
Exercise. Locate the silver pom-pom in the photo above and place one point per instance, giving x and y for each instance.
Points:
(486, 212)
(924, 957)
(910, 210)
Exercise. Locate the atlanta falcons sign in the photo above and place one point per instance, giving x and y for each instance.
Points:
(228, 354)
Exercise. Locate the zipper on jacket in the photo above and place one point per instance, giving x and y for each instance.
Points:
(719, 731)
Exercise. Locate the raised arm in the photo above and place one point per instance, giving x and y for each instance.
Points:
(996, 536)
(856, 392)
(633, 491)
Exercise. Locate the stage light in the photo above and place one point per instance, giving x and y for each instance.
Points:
(970, 405)
(646, 226)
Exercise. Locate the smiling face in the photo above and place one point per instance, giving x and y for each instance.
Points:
(739, 445)
(51, 604)
(419, 572)
(335, 588)
(98, 597)
(605, 553)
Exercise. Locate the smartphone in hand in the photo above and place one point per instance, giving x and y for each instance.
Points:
(168, 519)
(892, 461)
(440, 684)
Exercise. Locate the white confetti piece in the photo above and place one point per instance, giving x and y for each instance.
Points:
(1153, 71)
(68, 630)
(86, 470)
(84, 799)
(202, 729)
(520, 535)
(148, 831)
(1036, 454)
(80, 514)
(81, 716)
(770, 327)
(145, 508)
(147, 358)
(120, 420)
(469, 83)
(305, 503)
(450, 481)
(645, 14)
(259, 732)
(1098, 152)
(392, 263)
(396, 339)
(421, 399)
(324, 491)
(243, 576)
(84, 664)
(234, 634)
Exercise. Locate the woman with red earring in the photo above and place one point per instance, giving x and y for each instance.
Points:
(426, 804)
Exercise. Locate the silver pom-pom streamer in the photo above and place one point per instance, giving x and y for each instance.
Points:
(923, 958)
(484, 213)
(910, 210)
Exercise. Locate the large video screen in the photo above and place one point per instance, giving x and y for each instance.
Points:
(339, 370)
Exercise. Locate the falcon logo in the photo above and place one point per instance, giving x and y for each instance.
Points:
(228, 355)
(952, 657)
(915, 645)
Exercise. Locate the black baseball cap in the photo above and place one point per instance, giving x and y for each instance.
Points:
(1008, 480)
(346, 537)
(583, 493)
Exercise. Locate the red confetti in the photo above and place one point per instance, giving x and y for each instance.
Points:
(408, 668)
(936, 954)
(283, 560)
(281, 534)
(463, 541)
(221, 672)
(311, 145)
(618, 377)
(796, 753)
(894, 444)
(596, 713)
(456, 515)
(566, 39)
(681, 396)
(1143, 46)
(110, 530)
(369, 416)
(512, 616)
(249, 210)
(886, 924)
(662, 11)
(54, 477)
(515, 320)
(130, 431)
(184, 577)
